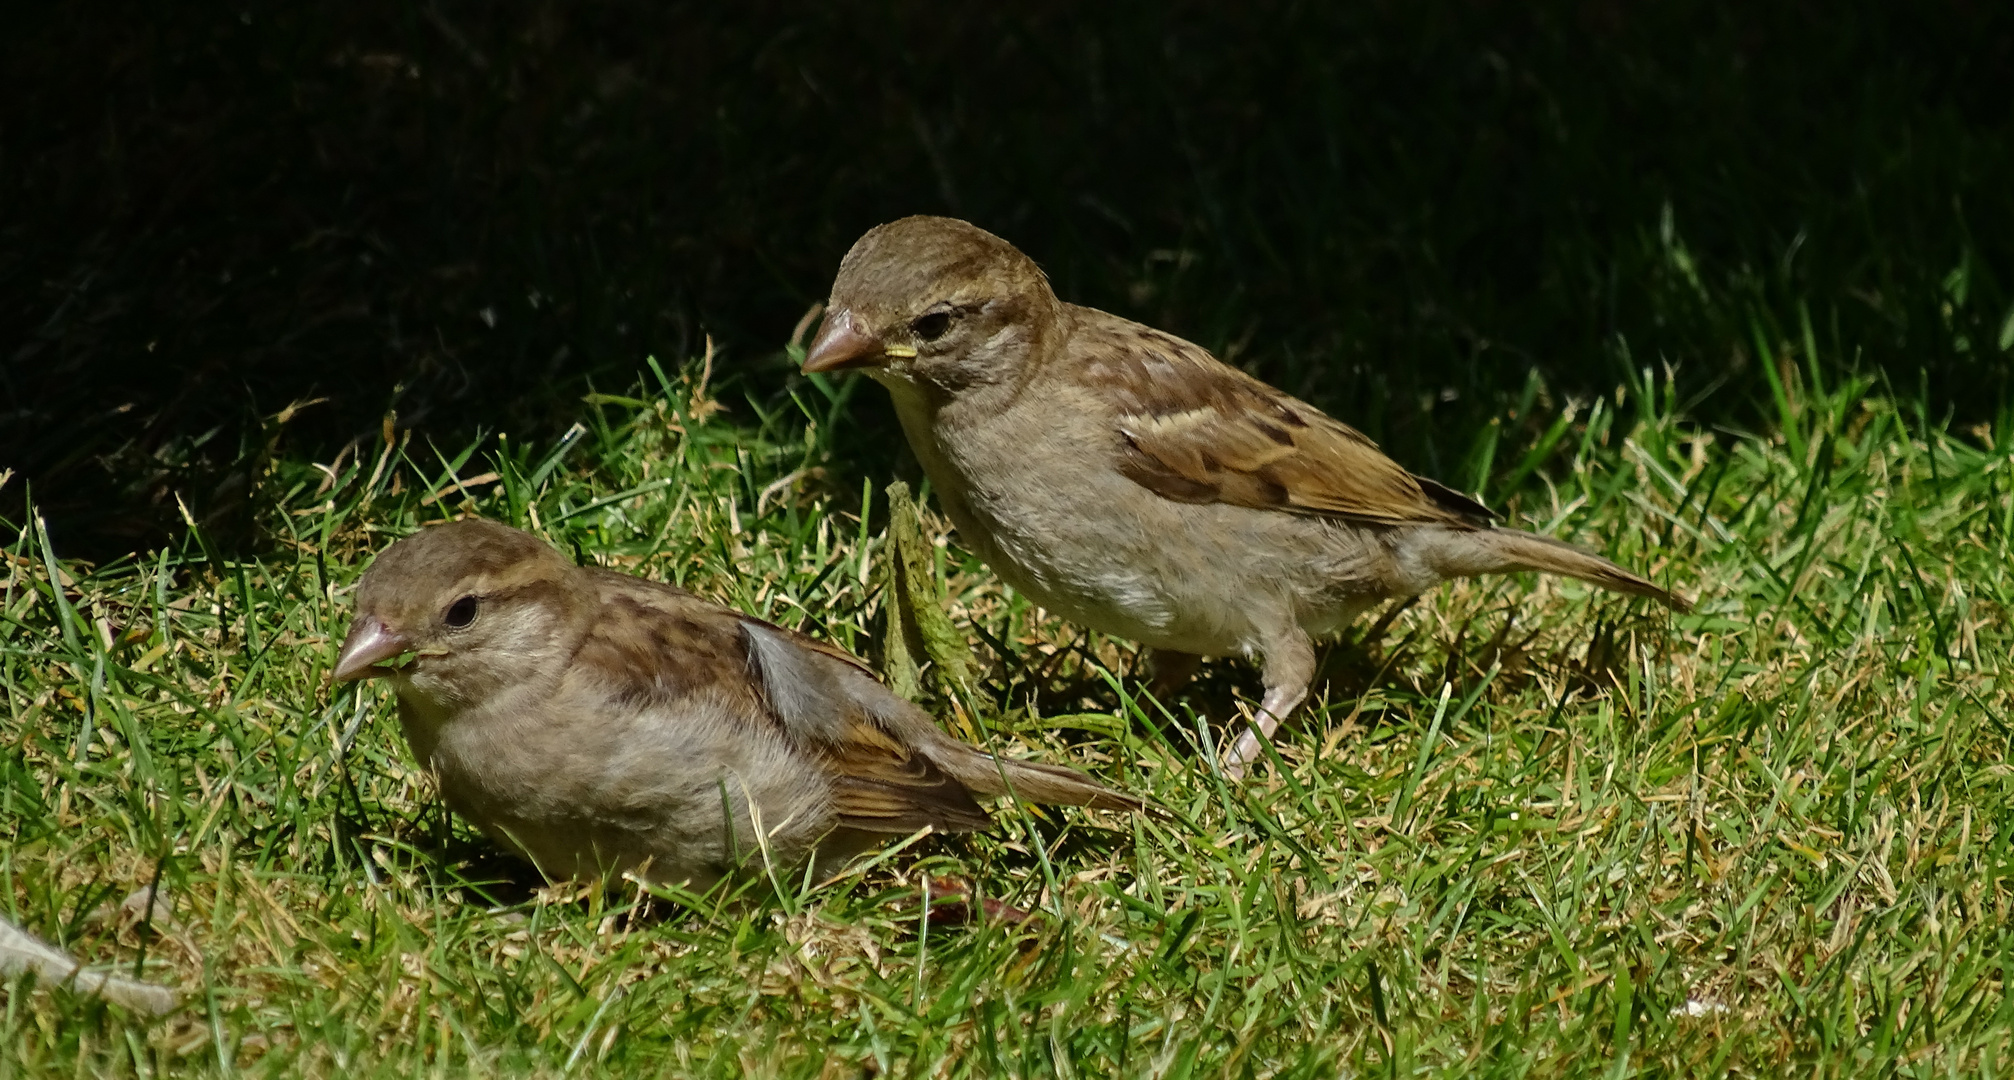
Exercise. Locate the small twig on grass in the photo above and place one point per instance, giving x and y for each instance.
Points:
(21, 951)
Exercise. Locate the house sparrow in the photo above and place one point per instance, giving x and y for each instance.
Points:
(1129, 481)
(598, 723)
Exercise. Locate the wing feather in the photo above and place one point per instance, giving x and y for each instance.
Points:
(881, 781)
(661, 645)
(1196, 430)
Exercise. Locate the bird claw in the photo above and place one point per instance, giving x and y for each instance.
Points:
(951, 904)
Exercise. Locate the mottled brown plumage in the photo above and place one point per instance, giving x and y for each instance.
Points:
(1198, 431)
(1127, 479)
(598, 722)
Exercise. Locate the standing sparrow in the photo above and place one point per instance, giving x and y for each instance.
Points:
(597, 723)
(1128, 480)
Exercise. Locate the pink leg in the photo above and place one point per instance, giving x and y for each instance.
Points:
(1290, 666)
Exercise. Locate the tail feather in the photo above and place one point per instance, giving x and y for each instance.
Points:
(1496, 551)
(1032, 781)
(981, 772)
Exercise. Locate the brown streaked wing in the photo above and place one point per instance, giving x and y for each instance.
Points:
(701, 618)
(658, 643)
(1199, 431)
(881, 785)
(880, 782)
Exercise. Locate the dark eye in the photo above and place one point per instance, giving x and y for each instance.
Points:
(461, 613)
(932, 326)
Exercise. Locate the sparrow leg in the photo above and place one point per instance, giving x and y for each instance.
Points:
(1290, 666)
(951, 904)
(1172, 671)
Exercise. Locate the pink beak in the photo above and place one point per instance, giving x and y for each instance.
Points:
(370, 643)
(842, 344)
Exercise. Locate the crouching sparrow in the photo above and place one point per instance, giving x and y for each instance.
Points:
(1127, 480)
(598, 723)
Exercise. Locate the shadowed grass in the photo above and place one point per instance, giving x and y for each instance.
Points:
(1394, 209)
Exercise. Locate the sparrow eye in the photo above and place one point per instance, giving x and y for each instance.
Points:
(932, 326)
(461, 613)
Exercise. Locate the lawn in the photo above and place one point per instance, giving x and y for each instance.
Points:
(1526, 829)
(1724, 293)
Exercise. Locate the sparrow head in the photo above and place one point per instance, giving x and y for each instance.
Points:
(454, 612)
(937, 301)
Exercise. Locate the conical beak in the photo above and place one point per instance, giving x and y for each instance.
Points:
(370, 643)
(842, 343)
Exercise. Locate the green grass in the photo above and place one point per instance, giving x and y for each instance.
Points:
(1530, 829)
(1526, 829)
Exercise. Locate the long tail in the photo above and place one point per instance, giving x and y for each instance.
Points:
(1497, 551)
(979, 771)
(1032, 781)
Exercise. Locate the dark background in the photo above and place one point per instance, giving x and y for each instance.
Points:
(465, 212)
